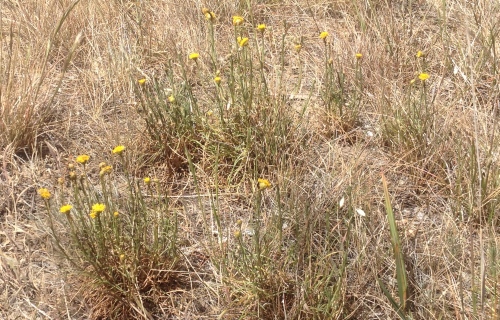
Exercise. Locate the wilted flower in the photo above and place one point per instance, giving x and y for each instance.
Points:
(209, 15)
(323, 35)
(44, 193)
(105, 170)
(116, 214)
(66, 208)
(423, 76)
(93, 214)
(194, 56)
(82, 159)
(264, 184)
(171, 98)
(238, 20)
(297, 47)
(122, 257)
(118, 149)
(141, 81)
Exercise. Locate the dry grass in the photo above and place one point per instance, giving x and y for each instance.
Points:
(326, 129)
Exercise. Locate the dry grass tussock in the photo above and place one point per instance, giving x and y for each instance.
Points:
(251, 181)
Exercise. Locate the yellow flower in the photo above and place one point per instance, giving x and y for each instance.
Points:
(66, 208)
(147, 180)
(102, 165)
(238, 20)
(210, 113)
(359, 56)
(209, 15)
(264, 184)
(82, 159)
(171, 98)
(194, 56)
(237, 234)
(298, 47)
(419, 54)
(105, 170)
(242, 41)
(261, 27)
(71, 166)
(44, 193)
(141, 81)
(93, 214)
(217, 80)
(116, 214)
(122, 257)
(118, 149)
(323, 35)
(98, 207)
(423, 76)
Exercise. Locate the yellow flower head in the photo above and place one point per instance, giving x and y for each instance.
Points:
(217, 80)
(122, 257)
(423, 76)
(237, 234)
(118, 150)
(66, 208)
(147, 180)
(210, 113)
(261, 27)
(102, 165)
(194, 56)
(209, 15)
(105, 170)
(98, 207)
(44, 193)
(359, 56)
(238, 20)
(297, 47)
(116, 214)
(323, 35)
(419, 54)
(141, 82)
(242, 42)
(171, 98)
(264, 184)
(82, 159)
(93, 214)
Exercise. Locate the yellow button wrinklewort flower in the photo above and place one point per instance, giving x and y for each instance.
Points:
(238, 20)
(209, 15)
(105, 170)
(141, 82)
(423, 76)
(297, 47)
(147, 180)
(44, 193)
(82, 159)
(194, 56)
(419, 54)
(264, 184)
(217, 80)
(122, 257)
(323, 35)
(118, 150)
(242, 42)
(171, 98)
(116, 214)
(359, 56)
(98, 207)
(66, 209)
(261, 27)
(93, 214)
